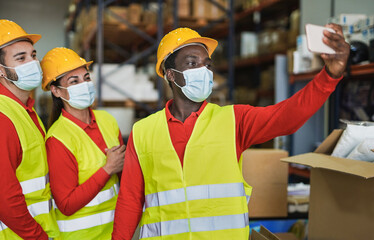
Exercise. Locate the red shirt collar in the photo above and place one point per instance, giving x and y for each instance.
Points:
(29, 104)
(170, 117)
(81, 124)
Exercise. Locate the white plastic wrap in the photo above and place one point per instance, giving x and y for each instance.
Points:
(363, 151)
(353, 135)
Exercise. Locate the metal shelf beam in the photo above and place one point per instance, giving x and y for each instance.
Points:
(100, 43)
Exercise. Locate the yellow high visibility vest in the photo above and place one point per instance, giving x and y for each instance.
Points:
(95, 220)
(32, 173)
(207, 198)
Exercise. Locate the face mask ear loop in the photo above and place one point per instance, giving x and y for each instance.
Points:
(165, 78)
(180, 73)
(62, 97)
(9, 79)
(175, 70)
(7, 67)
(177, 84)
(3, 75)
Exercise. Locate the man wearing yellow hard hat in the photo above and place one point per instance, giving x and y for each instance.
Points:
(26, 210)
(85, 149)
(182, 173)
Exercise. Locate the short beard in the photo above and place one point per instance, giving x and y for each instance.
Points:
(11, 75)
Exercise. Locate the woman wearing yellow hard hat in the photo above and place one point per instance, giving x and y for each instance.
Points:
(85, 149)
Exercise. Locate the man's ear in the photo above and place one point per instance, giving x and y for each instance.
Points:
(170, 75)
(2, 74)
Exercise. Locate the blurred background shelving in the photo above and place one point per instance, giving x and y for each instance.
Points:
(129, 32)
(253, 63)
(254, 37)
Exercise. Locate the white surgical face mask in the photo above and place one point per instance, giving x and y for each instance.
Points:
(81, 95)
(29, 75)
(199, 83)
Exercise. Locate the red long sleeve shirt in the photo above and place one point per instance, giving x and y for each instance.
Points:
(254, 125)
(13, 208)
(63, 170)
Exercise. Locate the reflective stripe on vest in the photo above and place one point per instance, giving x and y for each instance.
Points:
(101, 197)
(195, 193)
(104, 196)
(197, 225)
(35, 210)
(86, 222)
(34, 184)
(2, 226)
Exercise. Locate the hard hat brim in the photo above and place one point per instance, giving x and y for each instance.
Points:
(32, 37)
(210, 43)
(47, 87)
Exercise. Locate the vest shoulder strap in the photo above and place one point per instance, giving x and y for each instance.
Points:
(150, 119)
(24, 125)
(108, 127)
(65, 131)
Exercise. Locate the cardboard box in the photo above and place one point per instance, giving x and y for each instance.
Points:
(341, 205)
(184, 8)
(119, 11)
(278, 40)
(286, 236)
(264, 42)
(149, 17)
(199, 9)
(263, 234)
(213, 12)
(135, 12)
(268, 176)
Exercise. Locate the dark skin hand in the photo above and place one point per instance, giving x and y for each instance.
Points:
(188, 57)
(335, 63)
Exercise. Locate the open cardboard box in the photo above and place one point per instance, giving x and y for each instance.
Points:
(268, 176)
(341, 204)
(265, 234)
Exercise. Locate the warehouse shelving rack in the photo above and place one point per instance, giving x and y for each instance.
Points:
(149, 38)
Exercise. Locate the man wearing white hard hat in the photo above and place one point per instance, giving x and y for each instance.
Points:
(25, 196)
(182, 174)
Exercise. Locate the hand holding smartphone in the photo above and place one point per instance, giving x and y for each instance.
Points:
(314, 36)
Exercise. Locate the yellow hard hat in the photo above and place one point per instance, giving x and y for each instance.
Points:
(176, 39)
(11, 32)
(59, 61)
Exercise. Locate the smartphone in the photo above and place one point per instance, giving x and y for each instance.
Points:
(314, 36)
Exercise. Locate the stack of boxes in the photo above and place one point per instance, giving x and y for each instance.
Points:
(200, 10)
(87, 20)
